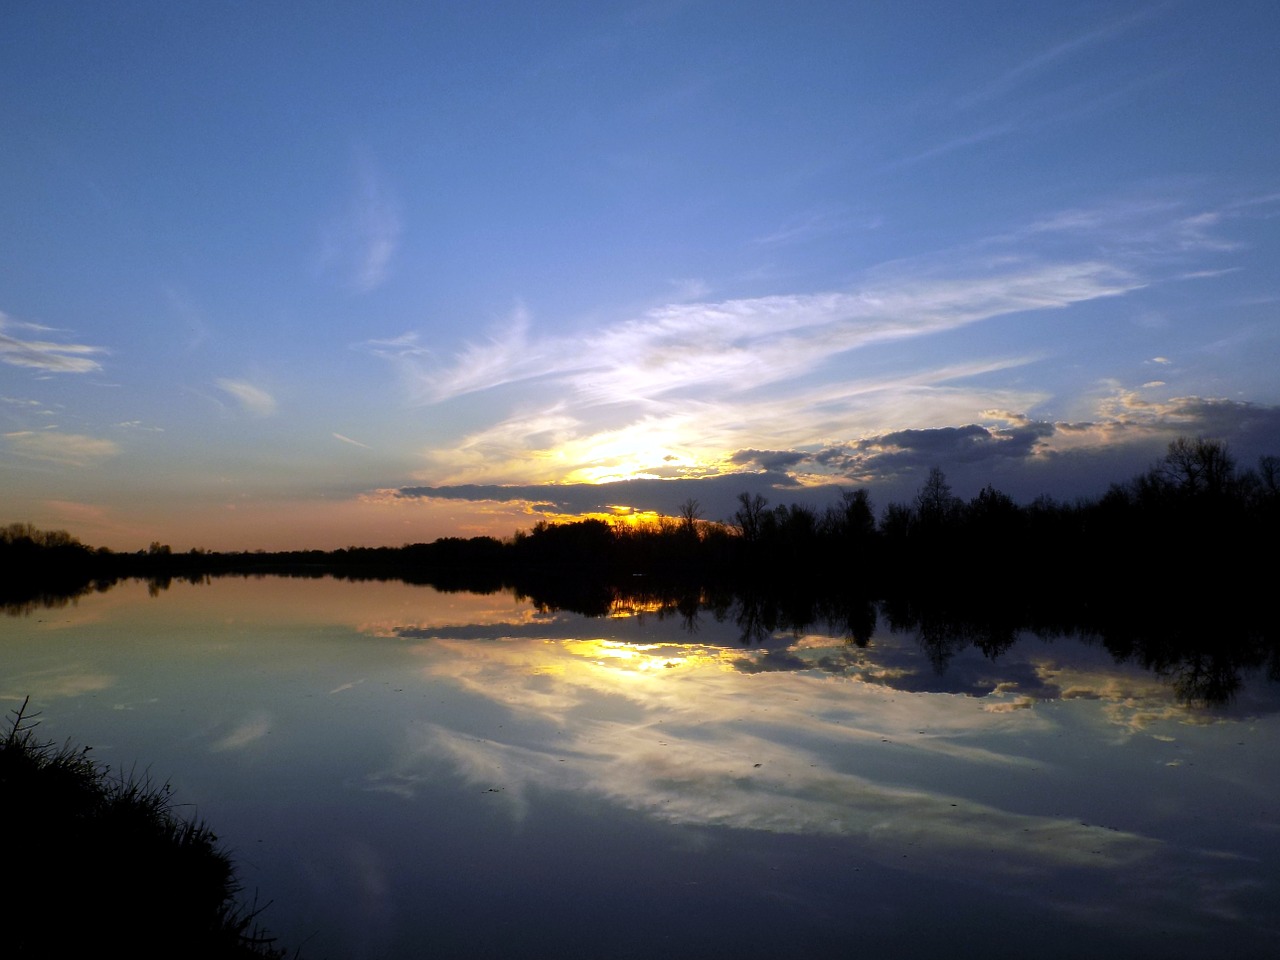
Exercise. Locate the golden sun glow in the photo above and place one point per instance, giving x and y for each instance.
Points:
(636, 607)
(623, 656)
(653, 448)
(636, 660)
(622, 455)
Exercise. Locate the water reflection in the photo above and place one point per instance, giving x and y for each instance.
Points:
(712, 736)
(1203, 648)
(443, 749)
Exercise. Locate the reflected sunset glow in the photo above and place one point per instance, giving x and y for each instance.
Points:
(627, 656)
(451, 742)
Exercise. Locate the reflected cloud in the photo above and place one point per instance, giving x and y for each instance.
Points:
(1021, 703)
(686, 696)
(245, 733)
(997, 775)
(721, 784)
(64, 682)
(454, 622)
(779, 740)
(673, 730)
(1130, 699)
(364, 606)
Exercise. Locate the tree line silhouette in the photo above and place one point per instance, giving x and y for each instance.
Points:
(1173, 569)
(1193, 519)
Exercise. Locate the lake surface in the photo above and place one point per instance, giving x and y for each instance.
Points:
(408, 773)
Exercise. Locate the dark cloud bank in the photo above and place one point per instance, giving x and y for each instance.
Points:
(1024, 458)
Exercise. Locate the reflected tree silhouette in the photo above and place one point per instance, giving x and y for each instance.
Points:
(932, 565)
(690, 605)
(1206, 680)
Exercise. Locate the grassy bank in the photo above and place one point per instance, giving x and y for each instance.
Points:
(99, 861)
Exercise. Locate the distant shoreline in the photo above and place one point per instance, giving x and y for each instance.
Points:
(1193, 524)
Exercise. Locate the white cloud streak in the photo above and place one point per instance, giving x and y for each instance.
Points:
(676, 391)
(1020, 74)
(736, 346)
(67, 449)
(44, 354)
(363, 242)
(252, 399)
(695, 381)
(249, 731)
(555, 443)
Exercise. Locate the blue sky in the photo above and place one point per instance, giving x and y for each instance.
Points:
(386, 272)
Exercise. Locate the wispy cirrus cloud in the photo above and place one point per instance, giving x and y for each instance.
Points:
(362, 242)
(67, 449)
(680, 391)
(1139, 230)
(958, 142)
(686, 437)
(252, 399)
(741, 345)
(813, 224)
(1033, 93)
(1023, 455)
(1051, 57)
(735, 347)
(46, 355)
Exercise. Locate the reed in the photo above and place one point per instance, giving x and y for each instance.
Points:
(102, 861)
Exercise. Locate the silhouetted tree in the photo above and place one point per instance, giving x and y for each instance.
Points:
(795, 530)
(896, 523)
(1269, 474)
(1198, 467)
(993, 522)
(851, 519)
(749, 517)
(690, 512)
(935, 503)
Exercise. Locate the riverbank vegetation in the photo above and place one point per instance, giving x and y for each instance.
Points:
(100, 862)
(1194, 517)
(1173, 569)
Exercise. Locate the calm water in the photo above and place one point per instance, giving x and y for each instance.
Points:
(405, 773)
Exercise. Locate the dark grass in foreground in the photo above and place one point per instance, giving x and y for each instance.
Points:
(99, 861)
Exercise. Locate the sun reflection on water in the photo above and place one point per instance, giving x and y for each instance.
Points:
(627, 656)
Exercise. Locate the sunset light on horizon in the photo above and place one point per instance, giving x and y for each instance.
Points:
(283, 278)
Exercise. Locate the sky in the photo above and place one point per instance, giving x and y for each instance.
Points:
(370, 274)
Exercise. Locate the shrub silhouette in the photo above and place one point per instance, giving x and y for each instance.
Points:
(97, 858)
